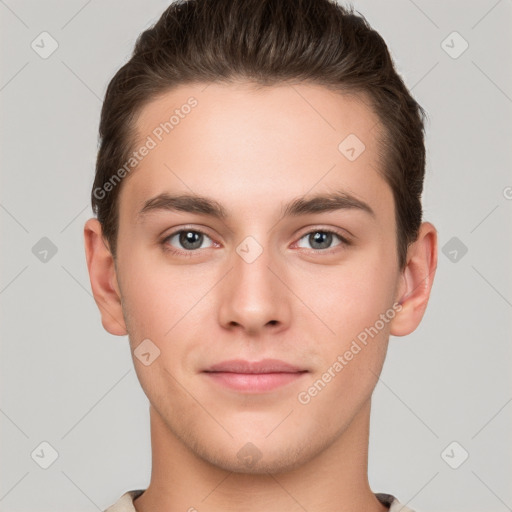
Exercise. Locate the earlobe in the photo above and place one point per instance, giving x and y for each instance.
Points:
(102, 275)
(416, 281)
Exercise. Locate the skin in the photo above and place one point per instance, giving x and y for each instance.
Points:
(253, 150)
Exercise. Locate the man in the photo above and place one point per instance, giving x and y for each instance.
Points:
(259, 236)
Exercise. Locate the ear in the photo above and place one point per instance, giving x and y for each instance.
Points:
(102, 274)
(416, 281)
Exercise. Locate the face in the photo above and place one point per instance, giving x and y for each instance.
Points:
(255, 265)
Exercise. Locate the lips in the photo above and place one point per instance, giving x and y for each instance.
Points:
(254, 376)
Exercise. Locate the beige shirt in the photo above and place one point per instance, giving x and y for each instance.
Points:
(125, 502)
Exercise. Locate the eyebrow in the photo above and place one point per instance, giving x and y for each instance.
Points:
(202, 205)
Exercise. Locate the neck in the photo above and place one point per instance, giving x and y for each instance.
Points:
(335, 479)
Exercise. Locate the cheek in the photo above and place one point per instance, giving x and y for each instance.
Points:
(156, 296)
(348, 298)
(353, 359)
(169, 306)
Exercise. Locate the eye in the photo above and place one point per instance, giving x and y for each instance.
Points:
(320, 239)
(188, 240)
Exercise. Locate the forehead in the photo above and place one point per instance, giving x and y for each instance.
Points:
(253, 144)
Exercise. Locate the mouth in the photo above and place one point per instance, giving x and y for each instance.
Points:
(254, 376)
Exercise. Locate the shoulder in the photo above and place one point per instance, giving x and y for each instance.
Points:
(392, 502)
(125, 502)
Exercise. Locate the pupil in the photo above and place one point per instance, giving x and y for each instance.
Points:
(322, 238)
(189, 239)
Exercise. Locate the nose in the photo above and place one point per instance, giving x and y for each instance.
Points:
(254, 298)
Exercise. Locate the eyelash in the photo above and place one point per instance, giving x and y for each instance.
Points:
(190, 253)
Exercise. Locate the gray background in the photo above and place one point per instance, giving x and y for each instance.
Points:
(64, 380)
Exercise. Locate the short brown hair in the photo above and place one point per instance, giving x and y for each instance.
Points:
(265, 42)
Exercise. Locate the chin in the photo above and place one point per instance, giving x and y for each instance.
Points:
(254, 458)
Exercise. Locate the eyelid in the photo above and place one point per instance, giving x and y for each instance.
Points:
(341, 233)
(187, 227)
